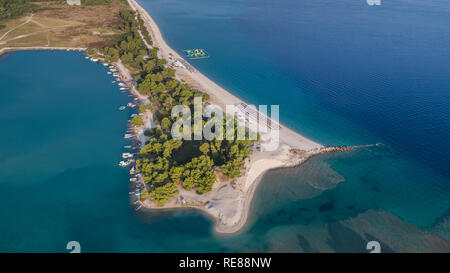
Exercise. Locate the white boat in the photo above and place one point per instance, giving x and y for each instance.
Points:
(121, 108)
(124, 163)
(123, 88)
(127, 155)
(109, 73)
(128, 136)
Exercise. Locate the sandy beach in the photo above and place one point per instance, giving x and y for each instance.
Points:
(228, 202)
(218, 95)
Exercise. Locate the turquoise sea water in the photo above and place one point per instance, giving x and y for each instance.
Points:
(62, 134)
(342, 72)
(62, 137)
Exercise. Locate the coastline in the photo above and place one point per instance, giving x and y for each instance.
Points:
(325, 201)
(218, 95)
(229, 202)
(11, 49)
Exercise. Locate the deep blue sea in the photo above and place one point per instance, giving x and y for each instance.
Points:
(342, 72)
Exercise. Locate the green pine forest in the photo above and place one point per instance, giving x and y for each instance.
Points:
(166, 163)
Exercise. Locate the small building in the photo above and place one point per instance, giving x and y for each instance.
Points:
(74, 2)
(177, 63)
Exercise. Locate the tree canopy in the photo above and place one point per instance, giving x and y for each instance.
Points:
(166, 163)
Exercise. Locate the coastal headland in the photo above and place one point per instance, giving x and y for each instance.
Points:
(228, 200)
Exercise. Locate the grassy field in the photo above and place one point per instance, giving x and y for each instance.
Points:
(61, 25)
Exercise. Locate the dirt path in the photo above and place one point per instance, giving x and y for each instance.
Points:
(16, 27)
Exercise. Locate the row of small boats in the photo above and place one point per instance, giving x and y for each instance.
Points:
(128, 158)
(131, 105)
(126, 163)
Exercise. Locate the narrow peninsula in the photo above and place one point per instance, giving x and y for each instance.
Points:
(217, 176)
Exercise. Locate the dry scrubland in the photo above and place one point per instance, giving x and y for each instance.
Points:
(61, 25)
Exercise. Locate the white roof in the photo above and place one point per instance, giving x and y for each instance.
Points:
(74, 2)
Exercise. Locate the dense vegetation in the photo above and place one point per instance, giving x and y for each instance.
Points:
(144, 31)
(165, 162)
(137, 121)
